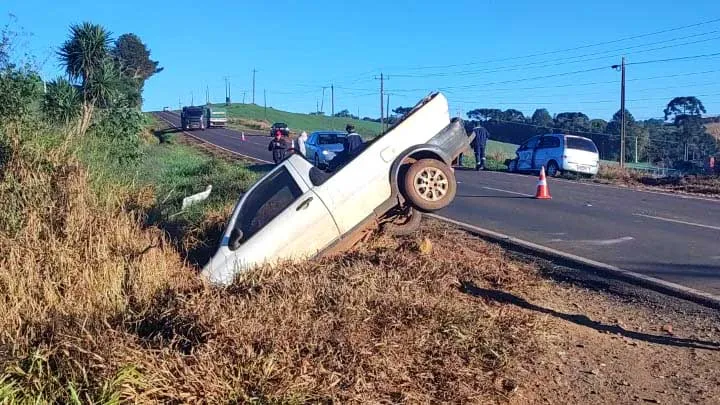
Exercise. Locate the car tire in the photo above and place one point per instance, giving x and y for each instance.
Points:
(429, 185)
(512, 166)
(407, 227)
(316, 161)
(552, 169)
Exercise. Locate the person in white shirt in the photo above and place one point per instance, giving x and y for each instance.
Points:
(301, 142)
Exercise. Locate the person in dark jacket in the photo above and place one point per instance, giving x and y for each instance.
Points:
(478, 144)
(278, 146)
(354, 142)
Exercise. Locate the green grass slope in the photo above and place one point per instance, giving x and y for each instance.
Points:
(305, 122)
(299, 122)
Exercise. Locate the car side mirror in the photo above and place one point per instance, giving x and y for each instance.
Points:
(235, 239)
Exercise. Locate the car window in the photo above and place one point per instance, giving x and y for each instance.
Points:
(329, 139)
(266, 202)
(581, 144)
(530, 144)
(549, 142)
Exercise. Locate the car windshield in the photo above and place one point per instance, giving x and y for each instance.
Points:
(330, 139)
(581, 144)
(217, 114)
(279, 125)
(194, 113)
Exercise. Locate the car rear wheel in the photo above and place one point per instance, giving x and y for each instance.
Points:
(429, 185)
(404, 224)
(512, 166)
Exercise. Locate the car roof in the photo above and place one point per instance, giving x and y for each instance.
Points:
(338, 133)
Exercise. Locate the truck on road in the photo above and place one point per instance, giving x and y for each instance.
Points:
(216, 118)
(192, 118)
(298, 211)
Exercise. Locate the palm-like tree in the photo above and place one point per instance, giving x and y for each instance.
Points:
(86, 57)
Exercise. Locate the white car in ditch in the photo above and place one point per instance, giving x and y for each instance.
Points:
(297, 211)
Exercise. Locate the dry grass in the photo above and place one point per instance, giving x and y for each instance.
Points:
(98, 309)
(713, 129)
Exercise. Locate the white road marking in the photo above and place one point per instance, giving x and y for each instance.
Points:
(508, 191)
(596, 242)
(677, 221)
(580, 183)
(687, 291)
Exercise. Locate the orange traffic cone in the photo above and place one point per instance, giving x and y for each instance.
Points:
(243, 135)
(543, 193)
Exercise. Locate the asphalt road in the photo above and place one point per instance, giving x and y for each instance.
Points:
(670, 237)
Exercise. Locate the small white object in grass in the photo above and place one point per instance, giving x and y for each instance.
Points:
(195, 198)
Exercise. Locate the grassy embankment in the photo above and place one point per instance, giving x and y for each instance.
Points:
(101, 303)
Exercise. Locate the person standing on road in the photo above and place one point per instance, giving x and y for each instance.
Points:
(301, 142)
(478, 144)
(277, 147)
(354, 142)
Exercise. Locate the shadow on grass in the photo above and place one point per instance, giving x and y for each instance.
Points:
(165, 135)
(503, 297)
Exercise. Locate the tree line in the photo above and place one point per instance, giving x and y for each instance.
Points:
(674, 141)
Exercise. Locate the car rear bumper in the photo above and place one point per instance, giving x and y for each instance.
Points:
(580, 168)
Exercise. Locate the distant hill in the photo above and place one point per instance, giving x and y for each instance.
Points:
(298, 122)
(254, 116)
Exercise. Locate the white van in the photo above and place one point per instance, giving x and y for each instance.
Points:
(558, 153)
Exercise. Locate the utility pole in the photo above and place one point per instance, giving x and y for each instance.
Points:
(253, 98)
(636, 149)
(332, 100)
(179, 103)
(229, 96)
(382, 99)
(622, 114)
(243, 97)
(387, 110)
(192, 98)
(265, 100)
(207, 94)
(622, 111)
(322, 100)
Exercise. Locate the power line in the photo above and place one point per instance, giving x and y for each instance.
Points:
(675, 59)
(568, 60)
(570, 49)
(570, 73)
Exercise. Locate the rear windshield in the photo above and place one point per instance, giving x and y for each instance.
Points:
(581, 144)
(330, 139)
(279, 125)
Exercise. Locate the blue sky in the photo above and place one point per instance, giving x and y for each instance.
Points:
(476, 50)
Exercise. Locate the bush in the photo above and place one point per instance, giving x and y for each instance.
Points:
(121, 128)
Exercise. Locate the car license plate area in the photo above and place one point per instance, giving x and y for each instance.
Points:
(582, 168)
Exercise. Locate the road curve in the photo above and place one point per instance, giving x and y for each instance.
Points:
(671, 237)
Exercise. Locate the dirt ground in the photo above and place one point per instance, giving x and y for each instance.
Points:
(607, 342)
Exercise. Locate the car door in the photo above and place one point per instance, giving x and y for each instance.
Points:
(311, 147)
(542, 152)
(280, 218)
(526, 154)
